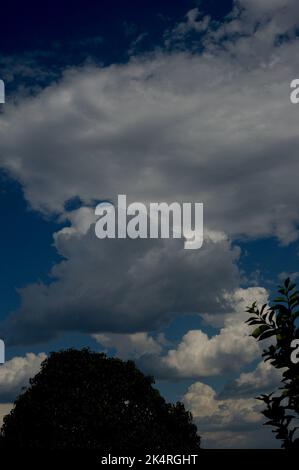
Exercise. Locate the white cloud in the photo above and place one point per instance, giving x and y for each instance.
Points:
(5, 409)
(202, 401)
(271, 7)
(16, 372)
(200, 356)
(265, 378)
(137, 128)
(80, 222)
(238, 299)
(230, 423)
(131, 346)
(264, 375)
(197, 355)
(233, 418)
(193, 22)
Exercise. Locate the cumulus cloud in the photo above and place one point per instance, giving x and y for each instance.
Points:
(122, 285)
(201, 399)
(232, 418)
(238, 299)
(264, 379)
(229, 423)
(15, 374)
(197, 355)
(131, 346)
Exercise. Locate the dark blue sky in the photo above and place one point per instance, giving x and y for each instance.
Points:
(52, 35)
(28, 26)
(26, 250)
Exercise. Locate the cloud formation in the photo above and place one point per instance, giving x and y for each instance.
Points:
(122, 285)
(197, 355)
(263, 379)
(221, 414)
(15, 374)
(224, 134)
(139, 129)
(227, 423)
(131, 346)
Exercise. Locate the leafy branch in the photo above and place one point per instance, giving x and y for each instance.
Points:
(279, 323)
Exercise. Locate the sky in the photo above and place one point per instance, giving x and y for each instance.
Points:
(162, 101)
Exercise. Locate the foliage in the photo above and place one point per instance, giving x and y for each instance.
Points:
(83, 399)
(279, 323)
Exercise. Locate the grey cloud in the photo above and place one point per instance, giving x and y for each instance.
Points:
(122, 285)
(224, 134)
(131, 346)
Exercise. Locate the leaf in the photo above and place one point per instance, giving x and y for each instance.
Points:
(255, 322)
(267, 334)
(251, 319)
(282, 291)
(267, 413)
(281, 307)
(264, 316)
(295, 294)
(263, 308)
(294, 301)
(271, 315)
(271, 423)
(258, 331)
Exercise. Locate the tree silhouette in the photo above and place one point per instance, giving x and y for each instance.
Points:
(279, 322)
(82, 399)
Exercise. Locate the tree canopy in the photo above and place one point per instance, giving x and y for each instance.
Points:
(83, 399)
